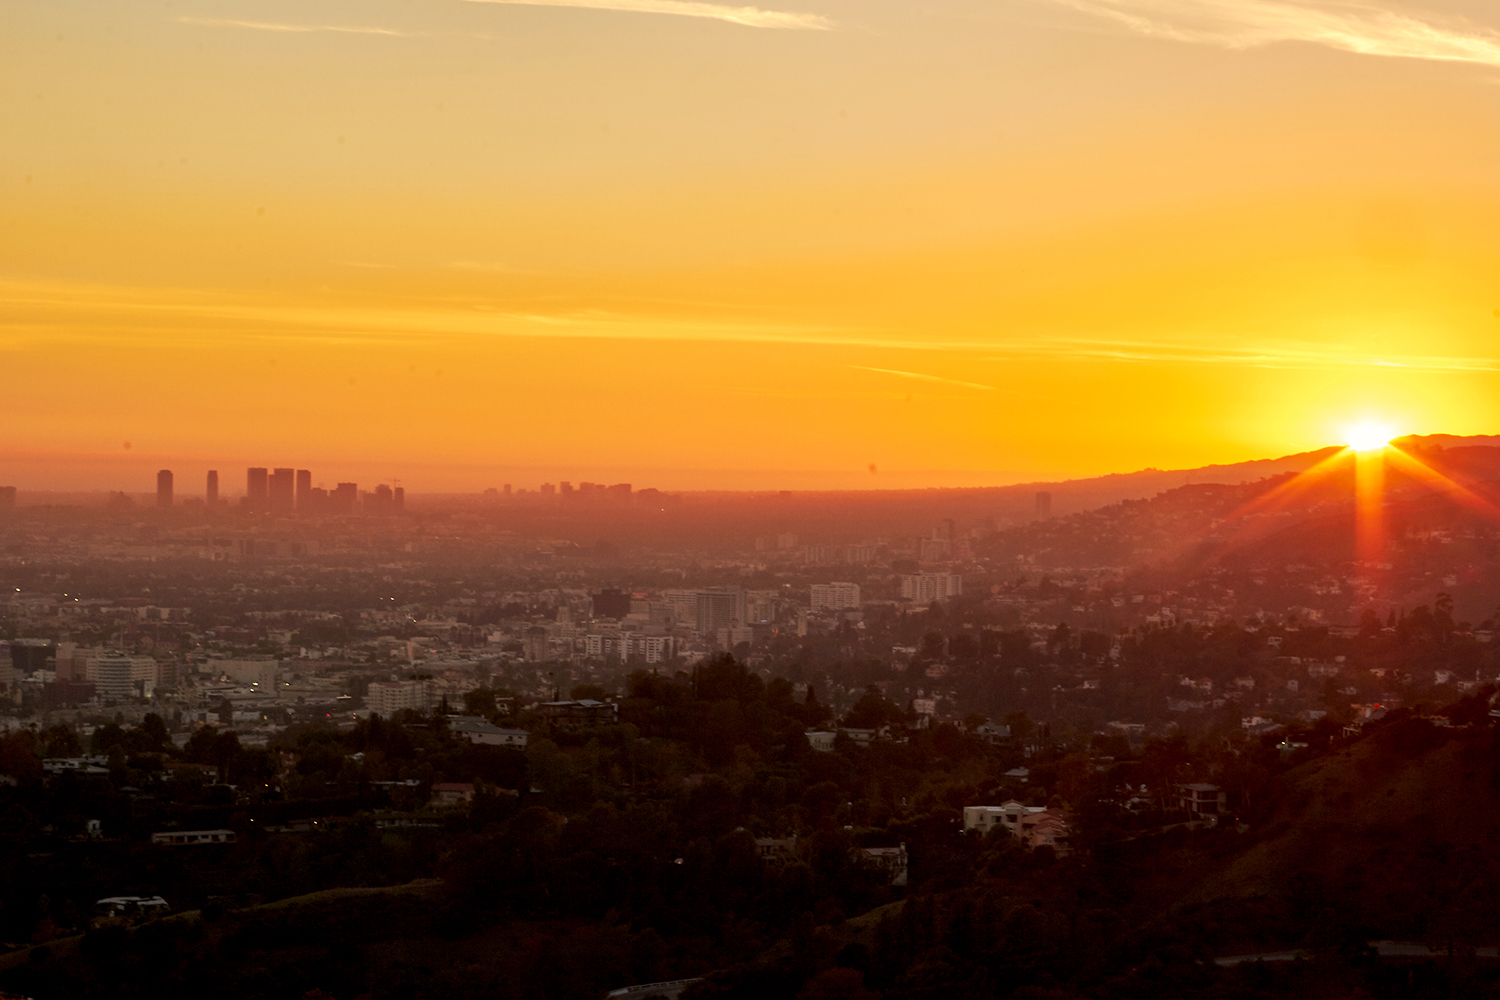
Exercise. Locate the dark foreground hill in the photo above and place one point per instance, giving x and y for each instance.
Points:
(1391, 836)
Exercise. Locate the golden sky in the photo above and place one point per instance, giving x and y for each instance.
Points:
(692, 244)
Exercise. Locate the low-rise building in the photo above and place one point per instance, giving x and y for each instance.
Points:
(583, 712)
(893, 860)
(477, 730)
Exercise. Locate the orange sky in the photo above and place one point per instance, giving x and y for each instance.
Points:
(695, 245)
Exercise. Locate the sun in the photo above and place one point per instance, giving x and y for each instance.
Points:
(1368, 436)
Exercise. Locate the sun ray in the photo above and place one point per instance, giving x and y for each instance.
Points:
(1369, 502)
(1237, 523)
(1418, 469)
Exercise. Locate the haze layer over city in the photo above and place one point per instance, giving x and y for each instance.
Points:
(634, 499)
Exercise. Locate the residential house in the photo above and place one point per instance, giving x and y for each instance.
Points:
(1203, 799)
(451, 795)
(893, 860)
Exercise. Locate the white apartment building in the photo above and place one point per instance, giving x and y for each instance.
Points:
(262, 673)
(625, 645)
(113, 675)
(835, 596)
(924, 588)
(386, 698)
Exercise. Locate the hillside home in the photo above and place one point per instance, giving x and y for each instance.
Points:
(1202, 799)
(893, 860)
(451, 795)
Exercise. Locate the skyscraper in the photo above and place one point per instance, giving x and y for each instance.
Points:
(211, 492)
(257, 490)
(719, 607)
(282, 490)
(343, 497)
(1044, 504)
(304, 484)
(164, 488)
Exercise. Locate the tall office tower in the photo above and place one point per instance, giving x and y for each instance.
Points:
(398, 498)
(112, 675)
(7, 498)
(505, 489)
(341, 501)
(304, 484)
(718, 607)
(283, 498)
(611, 603)
(164, 488)
(257, 490)
(211, 492)
(1044, 504)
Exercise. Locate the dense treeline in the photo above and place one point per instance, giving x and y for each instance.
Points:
(627, 853)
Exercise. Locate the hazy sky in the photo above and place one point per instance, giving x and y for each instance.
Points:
(694, 244)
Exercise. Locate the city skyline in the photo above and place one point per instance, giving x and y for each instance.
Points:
(950, 241)
(686, 499)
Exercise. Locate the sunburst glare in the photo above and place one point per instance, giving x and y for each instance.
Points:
(1368, 436)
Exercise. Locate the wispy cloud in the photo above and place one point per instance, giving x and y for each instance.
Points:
(752, 17)
(33, 312)
(1367, 28)
(214, 22)
(1285, 356)
(926, 378)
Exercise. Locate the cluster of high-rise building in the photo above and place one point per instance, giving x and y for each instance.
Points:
(622, 494)
(283, 491)
(286, 491)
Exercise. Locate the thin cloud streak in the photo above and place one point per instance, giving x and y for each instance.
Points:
(1362, 27)
(750, 17)
(299, 28)
(1148, 352)
(37, 312)
(926, 378)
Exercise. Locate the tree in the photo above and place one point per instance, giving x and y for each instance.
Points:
(154, 732)
(480, 701)
(18, 757)
(60, 741)
(199, 748)
(106, 738)
(1443, 612)
(872, 711)
(963, 646)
